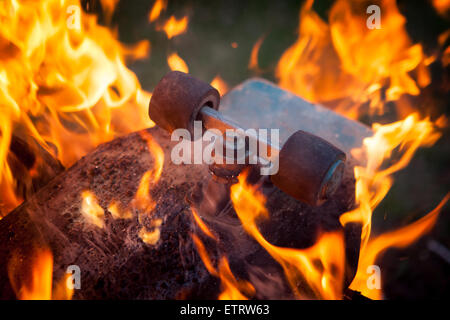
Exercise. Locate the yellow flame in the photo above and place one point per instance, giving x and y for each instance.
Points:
(345, 65)
(151, 237)
(174, 27)
(232, 289)
(373, 182)
(320, 268)
(202, 225)
(63, 81)
(143, 201)
(91, 210)
(220, 85)
(176, 63)
(35, 282)
(399, 238)
(117, 212)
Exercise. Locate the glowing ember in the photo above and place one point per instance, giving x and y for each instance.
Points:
(372, 182)
(91, 210)
(117, 212)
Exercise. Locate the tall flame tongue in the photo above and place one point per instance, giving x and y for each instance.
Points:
(320, 268)
(63, 81)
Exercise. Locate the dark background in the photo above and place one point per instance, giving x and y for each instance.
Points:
(415, 272)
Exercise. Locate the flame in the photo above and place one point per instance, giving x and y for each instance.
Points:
(63, 81)
(143, 201)
(372, 182)
(232, 289)
(151, 237)
(174, 27)
(253, 63)
(156, 10)
(117, 212)
(399, 238)
(202, 225)
(220, 85)
(442, 6)
(346, 65)
(91, 210)
(176, 63)
(35, 282)
(321, 266)
(349, 67)
(108, 7)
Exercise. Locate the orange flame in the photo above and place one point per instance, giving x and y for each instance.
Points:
(176, 63)
(399, 238)
(233, 289)
(63, 81)
(156, 10)
(323, 280)
(143, 201)
(39, 284)
(91, 210)
(174, 27)
(220, 85)
(202, 225)
(345, 64)
(372, 182)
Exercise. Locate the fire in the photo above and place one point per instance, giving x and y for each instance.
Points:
(35, 282)
(91, 210)
(347, 66)
(156, 10)
(143, 201)
(176, 63)
(220, 85)
(399, 238)
(372, 182)
(202, 225)
(232, 289)
(442, 6)
(64, 82)
(116, 211)
(253, 63)
(174, 27)
(324, 279)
